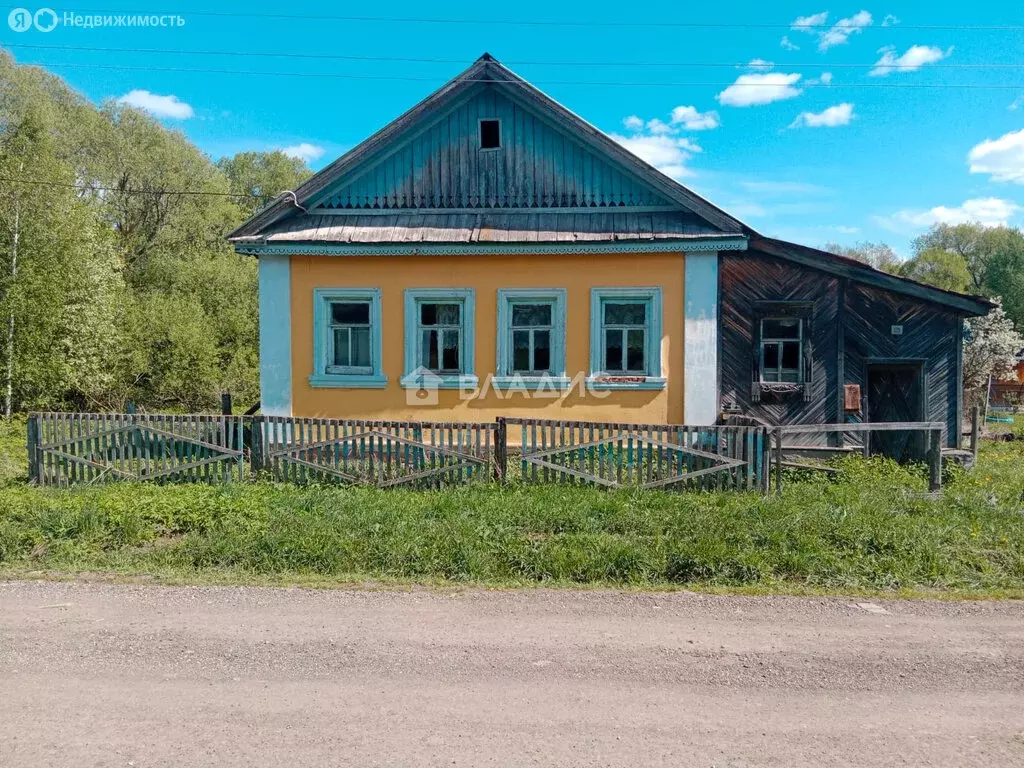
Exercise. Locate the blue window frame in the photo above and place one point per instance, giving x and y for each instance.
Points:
(439, 338)
(347, 344)
(625, 338)
(531, 337)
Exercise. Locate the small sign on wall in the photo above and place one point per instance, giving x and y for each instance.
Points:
(896, 330)
(851, 397)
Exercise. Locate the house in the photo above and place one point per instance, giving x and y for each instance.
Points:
(491, 253)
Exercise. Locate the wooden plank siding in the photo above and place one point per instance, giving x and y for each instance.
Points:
(930, 334)
(745, 280)
(851, 324)
(537, 166)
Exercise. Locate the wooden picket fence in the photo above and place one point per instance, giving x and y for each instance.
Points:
(70, 448)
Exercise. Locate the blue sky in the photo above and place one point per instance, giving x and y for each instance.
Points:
(790, 142)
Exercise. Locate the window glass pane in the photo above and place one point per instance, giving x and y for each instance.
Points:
(439, 314)
(635, 350)
(450, 353)
(350, 312)
(792, 376)
(791, 354)
(531, 314)
(780, 328)
(616, 313)
(360, 347)
(613, 350)
(541, 350)
(771, 356)
(770, 375)
(428, 350)
(521, 350)
(340, 346)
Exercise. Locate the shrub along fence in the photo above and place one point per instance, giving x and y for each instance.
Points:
(68, 448)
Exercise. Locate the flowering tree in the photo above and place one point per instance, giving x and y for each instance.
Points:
(991, 349)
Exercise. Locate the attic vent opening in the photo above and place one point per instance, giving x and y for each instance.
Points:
(490, 134)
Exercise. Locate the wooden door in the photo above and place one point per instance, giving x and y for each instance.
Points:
(895, 393)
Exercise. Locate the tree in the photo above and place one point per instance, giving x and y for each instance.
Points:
(975, 243)
(259, 177)
(877, 255)
(991, 349)
(942, 269)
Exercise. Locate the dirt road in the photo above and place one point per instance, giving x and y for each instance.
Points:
(106, 675)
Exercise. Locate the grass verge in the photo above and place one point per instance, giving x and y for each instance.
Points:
(871, 530)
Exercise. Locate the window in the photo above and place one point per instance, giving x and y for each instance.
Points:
(490, 134)
(439, 338)
(625, 338)
(347, 338)
(782, 349)
(531, 337)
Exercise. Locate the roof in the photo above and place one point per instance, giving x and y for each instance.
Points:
(492, 227)
(844, 266)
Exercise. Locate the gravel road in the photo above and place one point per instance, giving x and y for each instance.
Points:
(132, 675)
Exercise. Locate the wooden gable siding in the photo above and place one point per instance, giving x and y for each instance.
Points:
(537, 166)
(930, 333)
(851, 324)
(746, 280)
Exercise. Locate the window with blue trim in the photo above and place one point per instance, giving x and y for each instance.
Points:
(439, 337)
(531, 335)
(347, 338)
(625, 338)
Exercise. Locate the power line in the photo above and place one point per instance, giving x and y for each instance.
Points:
(618, 23)
(409, 60)
(90, 188)
(405, 78)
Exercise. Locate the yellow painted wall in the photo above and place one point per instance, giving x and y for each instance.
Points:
(576, 273)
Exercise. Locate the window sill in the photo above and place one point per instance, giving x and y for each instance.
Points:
(531, 383)
(347, 381)
(647, 382)
(438, 381)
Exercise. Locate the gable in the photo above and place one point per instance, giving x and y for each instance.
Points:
(440, 165)
(428, 160)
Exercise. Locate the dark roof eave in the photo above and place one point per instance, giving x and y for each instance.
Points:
(864, 273)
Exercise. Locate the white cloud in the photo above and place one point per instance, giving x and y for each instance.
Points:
(787, 45)
(159, 106)
(890, 20)
(666, 153)
(304, 151)
(655, 125)
(825, 78)
(915, 58)
(1016, 104)
(1002, 158)
(692, 119)
(840, 114)
(633, 123)
(759, 89)
(986, 211)
(840, 31)
(807, 23)
(847, 230)
(760, 65)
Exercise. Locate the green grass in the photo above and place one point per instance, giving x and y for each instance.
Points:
(872, 529)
